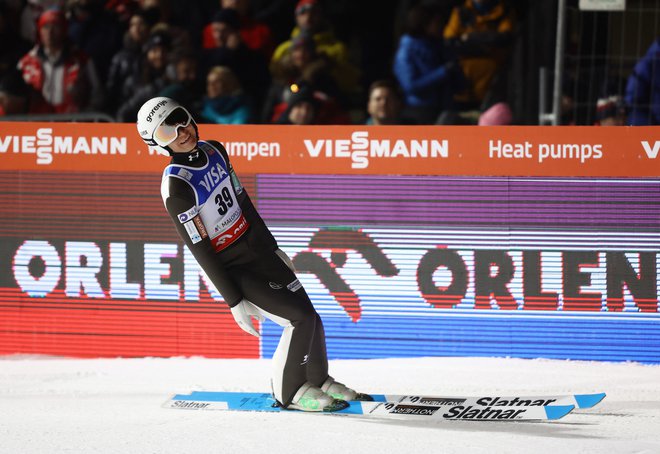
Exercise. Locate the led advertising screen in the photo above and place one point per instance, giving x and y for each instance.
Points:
(430, 253)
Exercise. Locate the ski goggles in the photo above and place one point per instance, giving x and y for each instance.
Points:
(168, 130)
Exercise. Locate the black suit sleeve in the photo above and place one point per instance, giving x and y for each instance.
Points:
(180, 200)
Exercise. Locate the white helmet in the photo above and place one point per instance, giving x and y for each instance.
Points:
(151, 117)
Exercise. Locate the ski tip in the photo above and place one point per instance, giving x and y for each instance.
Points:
(588, 400)
(558, 411)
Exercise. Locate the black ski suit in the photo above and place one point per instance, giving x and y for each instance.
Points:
(215, 217)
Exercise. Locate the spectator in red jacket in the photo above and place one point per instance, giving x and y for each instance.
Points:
(255, 34)
(61, 78)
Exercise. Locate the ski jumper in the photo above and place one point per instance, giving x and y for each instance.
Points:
(215, 217)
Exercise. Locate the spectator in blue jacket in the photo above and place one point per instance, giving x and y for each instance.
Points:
(643, 89)
(225, 102)
(428, 77)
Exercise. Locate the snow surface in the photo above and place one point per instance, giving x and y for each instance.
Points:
(61, 405)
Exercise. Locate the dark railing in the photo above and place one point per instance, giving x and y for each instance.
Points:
(82, 117)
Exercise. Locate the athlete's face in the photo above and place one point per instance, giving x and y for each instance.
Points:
(185, 141)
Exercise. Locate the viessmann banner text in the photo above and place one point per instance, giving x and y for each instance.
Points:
(402, 150)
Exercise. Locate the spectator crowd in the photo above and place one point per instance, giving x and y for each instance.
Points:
(280, 61)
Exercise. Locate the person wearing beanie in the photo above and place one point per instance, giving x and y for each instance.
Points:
(255, 34)
(150, 79)
(302, 65)
(302, 107)
(157, 39)
(310, 19)
(223, 24)
(62, 79)
(127, 61)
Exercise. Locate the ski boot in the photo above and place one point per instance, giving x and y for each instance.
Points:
(312, 398)
(341, 391)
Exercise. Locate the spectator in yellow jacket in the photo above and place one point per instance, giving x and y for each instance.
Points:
(481, 32)
(310, 19)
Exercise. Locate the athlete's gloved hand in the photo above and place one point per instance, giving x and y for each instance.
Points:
(243, 313)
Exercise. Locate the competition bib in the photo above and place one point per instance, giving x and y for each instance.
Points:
(222, 216)
(216, 198)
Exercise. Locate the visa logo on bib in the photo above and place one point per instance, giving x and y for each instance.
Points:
(214, 176)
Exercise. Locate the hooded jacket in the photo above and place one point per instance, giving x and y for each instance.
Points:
(643, 89)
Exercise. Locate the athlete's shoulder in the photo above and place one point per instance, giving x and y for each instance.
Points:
(176, 186)
(220, 147)
(217, 144)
